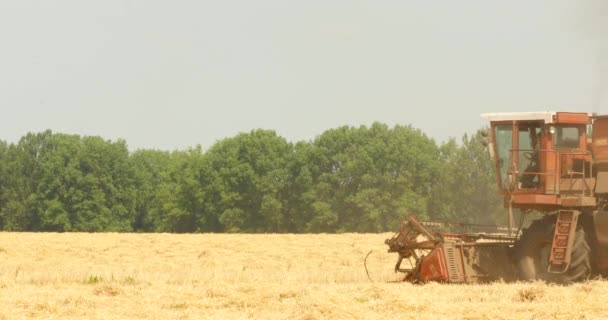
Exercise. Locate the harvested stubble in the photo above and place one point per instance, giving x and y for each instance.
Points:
(163, 276)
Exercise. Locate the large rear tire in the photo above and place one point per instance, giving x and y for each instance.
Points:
(532, 254)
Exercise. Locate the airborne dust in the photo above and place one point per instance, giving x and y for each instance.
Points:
(592, 23)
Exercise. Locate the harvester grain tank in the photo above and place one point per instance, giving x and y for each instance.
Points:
(555, 163)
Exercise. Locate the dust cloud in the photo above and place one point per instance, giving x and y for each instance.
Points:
(592, 23)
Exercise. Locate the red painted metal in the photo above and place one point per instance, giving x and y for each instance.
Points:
(550, 165)
(572, 118)
(450, 257)
(563, 238)
(600, 139)
(433, 267)
(540, 199)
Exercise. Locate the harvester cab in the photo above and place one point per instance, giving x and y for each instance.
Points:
(553, 163)
(542, 159)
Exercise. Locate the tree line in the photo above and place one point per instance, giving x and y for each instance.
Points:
(348, 179)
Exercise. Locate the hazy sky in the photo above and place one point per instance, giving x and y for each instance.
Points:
(173, 74)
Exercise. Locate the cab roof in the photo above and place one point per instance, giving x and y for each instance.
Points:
(546, 116)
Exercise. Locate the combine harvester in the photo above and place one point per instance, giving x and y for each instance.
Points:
(555, 163)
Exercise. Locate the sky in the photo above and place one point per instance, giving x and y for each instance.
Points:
(175, 74)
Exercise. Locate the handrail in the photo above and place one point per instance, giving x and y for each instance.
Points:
(581, 175)
(559, 157)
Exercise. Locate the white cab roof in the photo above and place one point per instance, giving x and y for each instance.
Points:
(547, 116)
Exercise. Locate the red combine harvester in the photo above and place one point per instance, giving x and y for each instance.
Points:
(555, 163)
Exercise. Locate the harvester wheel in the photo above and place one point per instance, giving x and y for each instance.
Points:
(532, 254)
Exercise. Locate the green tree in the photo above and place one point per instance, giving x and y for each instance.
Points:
(299, 193)
(151, 173)
(22, 165)
(467, 190)
(86, 184)
(3, 179)
(348, 179)
(179, 202)
(368, 178)
(249, 181)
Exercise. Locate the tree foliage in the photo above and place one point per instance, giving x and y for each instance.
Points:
(249, 182)
(466, 190)
(348, 179)
(366, 179)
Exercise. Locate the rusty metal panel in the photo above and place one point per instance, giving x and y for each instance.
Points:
(572, 117)
(453, 259)
(586, 184)
(601, 185)
(433, 267)
(600, 222)
(550, 166)
(535, 199)
(600, 140)
(563, 238)
(600, 225)
(487, 261)
(578, 201)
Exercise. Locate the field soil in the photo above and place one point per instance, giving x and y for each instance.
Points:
(226, 276)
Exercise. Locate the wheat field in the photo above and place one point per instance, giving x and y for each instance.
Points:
(226, 276)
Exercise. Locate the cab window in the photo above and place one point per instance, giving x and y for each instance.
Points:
(504, 144)
(567, 138)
